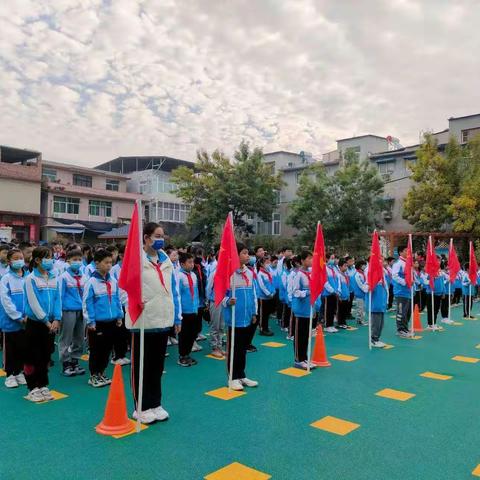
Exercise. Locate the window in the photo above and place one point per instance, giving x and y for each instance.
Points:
(112, 185)
(298, 176)
(66, 205)
(353, 151)
(170, 212)
(277, 197)
(386, 168)
(143, 187)
(82, 180)
(99, 208)
(409, 164)
(464, 136)
(276, 224)
(49, 174)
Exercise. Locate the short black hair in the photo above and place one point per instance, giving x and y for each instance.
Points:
(347, 258)
(24, 245)
(390, 259)
(121, 249)
(73, 253)
(183, 257)
(40, 253)
(4, 246)
(112, 248)
(12, 252)
(341, 262)
(241, 246)
(273, 258)
(305, 254)
(149, 228)
(257, 248)
(360, 263)
(101, 254)
(401, 247)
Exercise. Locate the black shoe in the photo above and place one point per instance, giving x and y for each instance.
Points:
(184, 362)
(251, 349)
(192, 361)
(266, 333)
(78, 369)
(343, 327)
(68, 370)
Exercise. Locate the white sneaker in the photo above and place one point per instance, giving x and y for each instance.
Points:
(290, 337)
(236, 385)
(11, 382)
(118, 361)
(331, 330)
(35, 396)
(46, 393)
(173, 341)
(20, 378)
(447, 321)
(125, 361)
(160, 414)
(169, 342)
(201, 337)
(196, 347)
(248, 383)
(312, 365)
(314, 332)
(145, 417)
(378, 344)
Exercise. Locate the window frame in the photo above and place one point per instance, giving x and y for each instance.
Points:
(100, 206)
(67, 203)
(111, 182)
(81, 180)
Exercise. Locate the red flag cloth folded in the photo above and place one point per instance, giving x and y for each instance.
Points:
(375, 265)
(472, 266)
(319, 266)
(131, 274)
(227, 263)
(453, 263)
(432, 265)
(409, 264)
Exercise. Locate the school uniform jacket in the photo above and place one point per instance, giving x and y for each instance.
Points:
(12, 302)
(71, 288)
(189, 298)
(400, 288)
(359, 284)
(101, 299)
(266, 288)
(43, 299)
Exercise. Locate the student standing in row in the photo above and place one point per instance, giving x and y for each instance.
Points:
(266, 294)
(43, 309)
(12, 309)
(360, 289)
(343, 295)
(103, 312)
(245, 302)
(72, 330)
(402, 294)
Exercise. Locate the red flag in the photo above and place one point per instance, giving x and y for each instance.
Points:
(472, 266)
(131, 274)
(375, 266)
(409, 264)
(228, 261)
(319, 266)
(432, 265)
(453, 263)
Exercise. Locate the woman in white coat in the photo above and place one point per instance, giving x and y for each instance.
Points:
(160, 313)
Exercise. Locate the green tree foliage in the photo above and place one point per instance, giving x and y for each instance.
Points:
(245, 187)
(346, 203)
(437, 178)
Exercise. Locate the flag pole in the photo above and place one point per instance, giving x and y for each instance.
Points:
(370, 317)
(232, 336)
(411, 289)
(309, 352)
(142, 324)
(449, 283)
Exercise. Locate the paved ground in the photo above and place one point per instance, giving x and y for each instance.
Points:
(433, 435)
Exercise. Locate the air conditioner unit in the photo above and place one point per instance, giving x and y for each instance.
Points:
(57, 215)
(109, 220)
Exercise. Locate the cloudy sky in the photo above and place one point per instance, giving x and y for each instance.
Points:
(84, 81)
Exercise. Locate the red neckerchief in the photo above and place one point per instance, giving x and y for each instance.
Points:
(268, 274)
(361, 273)
(254, 273)
(307, 274)
(333, 272)
(345, 276)
(199, 270)
(245, 277)
(77, 279)
(109, 290)
(158, 268)
(190, 283)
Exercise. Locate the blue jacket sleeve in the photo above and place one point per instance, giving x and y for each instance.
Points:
(176, 302)
(88, 306)
(57, 304)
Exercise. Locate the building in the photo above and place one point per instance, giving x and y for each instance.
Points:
(81, 203)
(150, 176)
(20, 185)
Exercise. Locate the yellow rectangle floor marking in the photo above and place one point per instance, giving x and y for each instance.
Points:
(351, 329)
(294, 372)
(335, 425)
(460, 358)
(142, 427)
(415, 337)
(215, 358)
(388, 347)
(476, 472)
(3, 373)
(58, 395)
(237, 471)
(395, 394)
(273, 344)
(457, 324)
(224, 394)
(84, 357)
(344, 358)
(435, 376)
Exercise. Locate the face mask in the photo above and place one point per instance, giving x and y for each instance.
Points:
(75, 266)
(252, 261)
(17, 264)
(331, 262)
(158, 243)
(47, 264)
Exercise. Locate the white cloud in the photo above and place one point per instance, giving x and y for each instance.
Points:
(87, 80)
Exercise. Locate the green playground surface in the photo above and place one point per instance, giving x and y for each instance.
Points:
(432, 435)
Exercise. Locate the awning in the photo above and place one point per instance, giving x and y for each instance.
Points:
(67, 230)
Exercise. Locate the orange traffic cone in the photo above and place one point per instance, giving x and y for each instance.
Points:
(115, 421)
(417, 324)
(319, 357)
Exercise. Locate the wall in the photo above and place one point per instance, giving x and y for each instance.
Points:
(19, 197)
(367, 144)
(457, 125)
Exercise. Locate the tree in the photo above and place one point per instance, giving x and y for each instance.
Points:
(437, 179)
(217, 186)
(346, 203)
